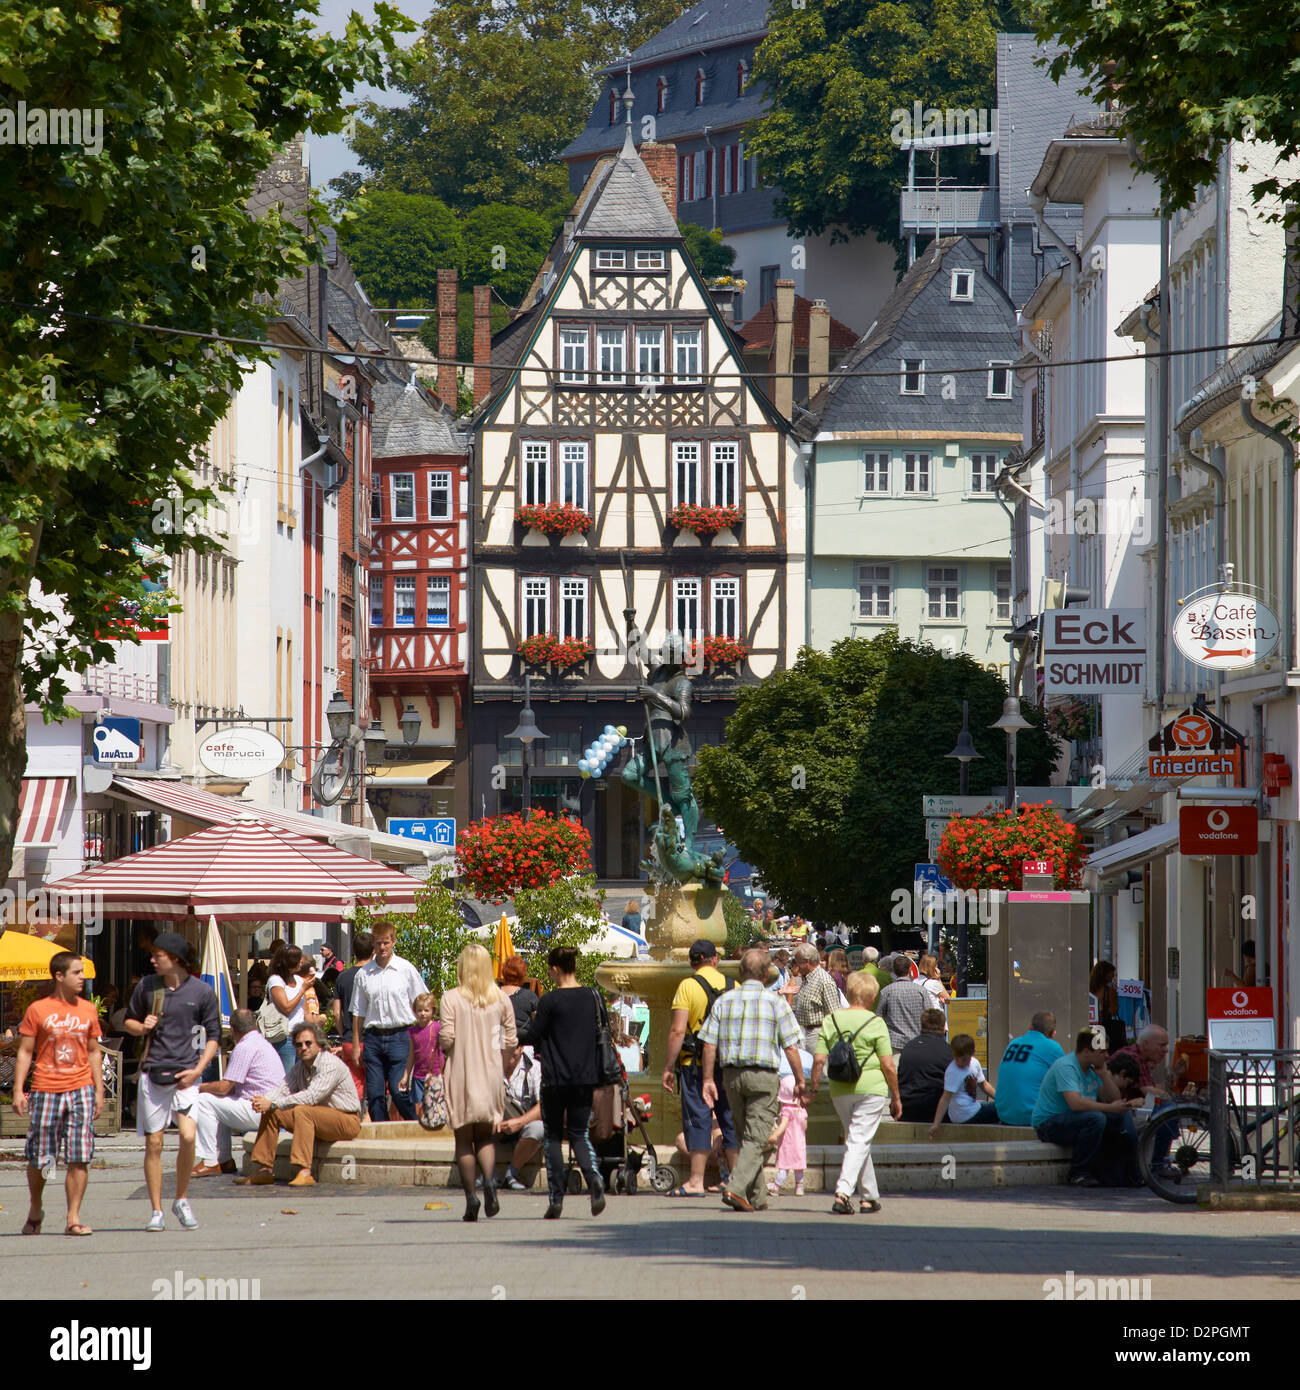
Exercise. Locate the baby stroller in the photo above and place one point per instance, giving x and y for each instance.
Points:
(618, 1134)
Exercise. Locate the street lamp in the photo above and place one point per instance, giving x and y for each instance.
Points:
(965, 752)
(527, 733)
(1012, 721)
(365, 750)
(410, 722)
(338, 714)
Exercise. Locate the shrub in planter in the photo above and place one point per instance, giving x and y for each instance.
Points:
(987, 851)
(704, 521)
(566, 652)
(498, 857)
(556, 519)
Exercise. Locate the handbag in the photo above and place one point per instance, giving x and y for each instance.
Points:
(609, 1069)
(271, 1023)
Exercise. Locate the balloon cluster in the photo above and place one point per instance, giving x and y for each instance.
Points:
(602, 751)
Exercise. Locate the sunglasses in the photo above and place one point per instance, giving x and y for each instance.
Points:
(311, 1042)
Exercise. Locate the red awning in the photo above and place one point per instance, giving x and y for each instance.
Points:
(40, 809)
(245, 870)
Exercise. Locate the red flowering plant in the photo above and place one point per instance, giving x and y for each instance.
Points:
(499, 857)
(559, 651)
(987, 851)
(704, 521)
(555, 519)
(720, 650)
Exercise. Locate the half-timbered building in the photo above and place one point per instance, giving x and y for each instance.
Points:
(622, 460)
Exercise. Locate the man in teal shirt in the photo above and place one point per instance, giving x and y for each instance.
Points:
(1079, 1107)
(1022, 1068)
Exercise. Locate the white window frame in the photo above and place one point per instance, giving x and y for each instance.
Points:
(440, 482)
(724, 472)
(611, 258)
(651, 339)
(876, 576)
(575, 355)
(403, 585)
(606, 340)
(984, 469)
(994, 368)
(1001, 573)
(575, 470)
(688, 591)
(439, 616)
(722, 592)
(649, 258)
(536, 464)
(740, 166)
(684, 346)
(688, 464)
(917, 370)
(397, 490)
(376, 587)
(573, 596)
(954, 293)
(877, 465)
(532, 591)
(918, 467)
(942, 584)
(697, 192)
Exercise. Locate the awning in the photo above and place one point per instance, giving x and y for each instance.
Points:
(1137, 849)
(40, 808)
(208, 809)
(408, 774)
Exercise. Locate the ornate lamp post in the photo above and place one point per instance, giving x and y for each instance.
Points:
(527, 733)
(965, 753)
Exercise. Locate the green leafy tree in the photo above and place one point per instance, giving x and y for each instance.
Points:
(432, 937)
(564, 913)
(504, 247)
(496, 91)
(712, 255)
(397, 243)
(836, 71)
(1189, 79)
(144, 220)
(820, 780)
(741, 930)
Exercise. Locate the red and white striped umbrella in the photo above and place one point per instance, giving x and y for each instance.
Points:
(246, 869)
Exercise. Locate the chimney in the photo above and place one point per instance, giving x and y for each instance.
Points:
(819, 346)
(482, 343)
(783, 349)
(661, 164)
(447, 338)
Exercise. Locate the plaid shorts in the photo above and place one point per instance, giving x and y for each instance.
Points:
(61, 1120)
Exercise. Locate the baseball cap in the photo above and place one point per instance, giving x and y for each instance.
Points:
(702, 950)
(174, 944)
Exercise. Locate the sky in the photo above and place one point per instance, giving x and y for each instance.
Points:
(330, 154)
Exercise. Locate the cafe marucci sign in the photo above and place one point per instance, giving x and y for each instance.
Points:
(241, 753)
(1225, 630)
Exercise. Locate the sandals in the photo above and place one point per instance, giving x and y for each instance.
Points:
(842, 1207)
(33, 1228)
(78, 1230)
(868, 1207)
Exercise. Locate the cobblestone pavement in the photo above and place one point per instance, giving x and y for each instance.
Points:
(382, 1242)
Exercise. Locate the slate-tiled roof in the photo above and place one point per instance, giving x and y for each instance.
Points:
(756, 334)
(920, 321)
(705, 25)
(409, 422)
(682, 120)
(628, 202)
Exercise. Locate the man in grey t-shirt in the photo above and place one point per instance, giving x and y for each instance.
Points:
(902, 1003)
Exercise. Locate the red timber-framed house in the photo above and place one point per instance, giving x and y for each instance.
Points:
(618, 396)
(420, 602)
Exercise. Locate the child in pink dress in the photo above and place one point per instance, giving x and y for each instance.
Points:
(791, 1137)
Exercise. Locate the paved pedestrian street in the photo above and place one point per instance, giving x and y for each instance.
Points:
(383, 1243)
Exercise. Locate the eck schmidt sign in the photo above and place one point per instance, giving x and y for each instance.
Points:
(1094, 651)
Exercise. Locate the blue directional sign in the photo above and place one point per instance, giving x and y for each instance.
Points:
(929, 874)
(437, 830)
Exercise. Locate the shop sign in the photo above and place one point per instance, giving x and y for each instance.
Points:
(1225, 630)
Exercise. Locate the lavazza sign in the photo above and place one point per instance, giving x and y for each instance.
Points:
(1094, 651)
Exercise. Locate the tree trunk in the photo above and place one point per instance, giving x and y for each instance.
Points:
(13, 732)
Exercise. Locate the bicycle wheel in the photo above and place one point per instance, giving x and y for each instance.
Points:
(1188, 1164)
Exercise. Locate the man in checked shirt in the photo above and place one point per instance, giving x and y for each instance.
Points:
(746, 1031)
(818, 996)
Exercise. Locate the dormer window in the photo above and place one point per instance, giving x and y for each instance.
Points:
(661, 95)
(699, 86)
(613, 107)
(742, 76)
(648, 260)
(607, 259)
(999, 381)
(962, 290)
(913, 377)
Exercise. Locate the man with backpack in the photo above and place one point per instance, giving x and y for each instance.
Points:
(692, 1004)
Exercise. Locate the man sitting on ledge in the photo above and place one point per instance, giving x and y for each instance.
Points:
(316, 1100)
(1079, 1106)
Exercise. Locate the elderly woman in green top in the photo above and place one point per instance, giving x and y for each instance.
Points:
(860, 1103)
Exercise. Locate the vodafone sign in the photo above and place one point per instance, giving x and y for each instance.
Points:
(1226, 630)
(1218, 830)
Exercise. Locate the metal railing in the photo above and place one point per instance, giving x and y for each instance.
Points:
(948, 209)
(1254, 1105)
(126, 685)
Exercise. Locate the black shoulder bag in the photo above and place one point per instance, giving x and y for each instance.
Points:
(609, 1069)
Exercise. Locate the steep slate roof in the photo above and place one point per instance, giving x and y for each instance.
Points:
(628, 202)
(919, 321)
(1032, 112)
(756, 334)
(706, 25)
(408, 422)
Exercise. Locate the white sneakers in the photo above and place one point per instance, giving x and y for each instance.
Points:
(157, 1222)
(181, 1211)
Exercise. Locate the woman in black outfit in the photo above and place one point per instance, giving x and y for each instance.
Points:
(564, 1030)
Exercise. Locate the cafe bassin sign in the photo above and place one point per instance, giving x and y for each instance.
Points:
(1225, 630)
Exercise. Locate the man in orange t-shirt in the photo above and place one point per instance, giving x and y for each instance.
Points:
(67, 1089)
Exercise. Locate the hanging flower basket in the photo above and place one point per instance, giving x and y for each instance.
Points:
(557, 519)
(499, 856)
(987, 851)
(704, 521)
(724, 651)
(563, 652)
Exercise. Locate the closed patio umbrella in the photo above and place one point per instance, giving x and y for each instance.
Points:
(502, 945)
(216, 972)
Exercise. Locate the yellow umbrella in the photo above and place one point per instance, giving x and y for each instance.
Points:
(502, 946)
(25, 957)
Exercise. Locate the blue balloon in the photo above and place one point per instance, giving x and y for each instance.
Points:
(609, 730)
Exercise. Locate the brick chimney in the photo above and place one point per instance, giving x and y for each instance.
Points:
(482, 343)
(447, 338)
(661, 164)
(783, 348)
(819, 346)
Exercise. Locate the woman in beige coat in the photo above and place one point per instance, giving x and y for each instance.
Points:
(478, 1038)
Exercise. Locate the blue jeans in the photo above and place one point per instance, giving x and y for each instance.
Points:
(1164, 1136)
(287, 1053)
(1098, 1139)
(987, 1114)
(384, 1056)
(571, 1104)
